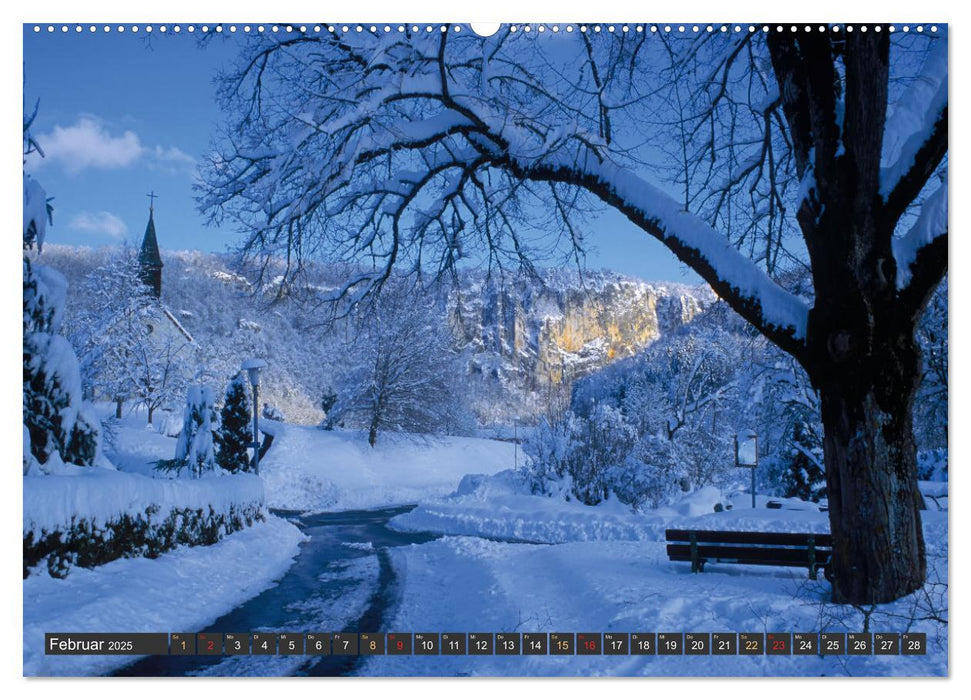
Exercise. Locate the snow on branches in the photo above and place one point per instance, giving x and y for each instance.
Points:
(415, 152)
(194, 448)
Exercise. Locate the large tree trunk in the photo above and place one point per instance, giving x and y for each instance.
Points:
(860, 352)
(871, 474)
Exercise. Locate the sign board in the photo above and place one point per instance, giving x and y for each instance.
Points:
(746, 449)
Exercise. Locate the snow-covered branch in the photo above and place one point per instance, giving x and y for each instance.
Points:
(745, 286)
(921, 253)
(915, 137)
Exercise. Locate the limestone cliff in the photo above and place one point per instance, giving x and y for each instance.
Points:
(532, 336)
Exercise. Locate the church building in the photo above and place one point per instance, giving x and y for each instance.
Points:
(167, 327)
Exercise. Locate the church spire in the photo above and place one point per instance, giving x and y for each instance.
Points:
(149, 258)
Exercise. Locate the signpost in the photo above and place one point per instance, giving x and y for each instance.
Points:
(747, 454)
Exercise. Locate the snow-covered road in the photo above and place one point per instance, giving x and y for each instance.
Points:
(343, 579)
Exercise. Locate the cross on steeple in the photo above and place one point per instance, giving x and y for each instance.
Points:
(152, 196)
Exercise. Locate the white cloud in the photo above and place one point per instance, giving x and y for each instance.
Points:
(90, 144)
(100, 222)
(171, 158)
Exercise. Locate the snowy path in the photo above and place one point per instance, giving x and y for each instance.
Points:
(343, 579)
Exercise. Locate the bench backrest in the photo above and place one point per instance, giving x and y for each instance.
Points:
(785, 539)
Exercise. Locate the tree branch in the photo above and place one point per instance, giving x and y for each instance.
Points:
(793, 89)
(916, 135)
(921, 254)
(775, 312)
(925, 161)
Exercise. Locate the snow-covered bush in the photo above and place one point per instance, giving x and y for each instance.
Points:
(583, 450)
(930, 404)
(650, 476)
(271, 412)
(804, 476)
(58, 425)
(328, 400)
(932, 465)
(234, 434)
(547, 450)
(194, 448)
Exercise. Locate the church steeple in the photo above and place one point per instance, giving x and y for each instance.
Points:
(149, 259)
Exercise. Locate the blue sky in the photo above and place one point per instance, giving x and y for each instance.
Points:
(122, 115)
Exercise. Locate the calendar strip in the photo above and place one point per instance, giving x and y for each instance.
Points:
(488, 643)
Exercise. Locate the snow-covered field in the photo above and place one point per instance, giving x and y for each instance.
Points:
(308, 469)
(471, 584)
(185, 589)
(607, 570)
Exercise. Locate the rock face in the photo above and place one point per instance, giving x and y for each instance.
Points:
(531, 336)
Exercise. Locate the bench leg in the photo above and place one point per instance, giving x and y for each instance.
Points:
(812, 557)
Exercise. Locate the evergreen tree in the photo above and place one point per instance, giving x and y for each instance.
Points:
(327, 403)
(233, 435)
(805, 477)
(195, 446)
(58, 425)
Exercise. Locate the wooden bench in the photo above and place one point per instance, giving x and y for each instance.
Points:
(803, 550)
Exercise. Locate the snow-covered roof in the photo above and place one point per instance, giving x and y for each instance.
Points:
(175, 322)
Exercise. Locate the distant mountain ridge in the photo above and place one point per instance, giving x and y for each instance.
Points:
(525, 340)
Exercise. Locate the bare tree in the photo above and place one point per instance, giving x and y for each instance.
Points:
(417, 151)
(402, 373)
(120, 356)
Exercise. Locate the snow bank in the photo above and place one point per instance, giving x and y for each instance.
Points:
(501, 506)
(186, 589)
(101, 495)
(316, 470)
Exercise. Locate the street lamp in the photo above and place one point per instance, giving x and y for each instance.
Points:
(252, 368)
(747, 454)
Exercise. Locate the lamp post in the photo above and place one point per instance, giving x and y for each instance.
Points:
(253, 368)
(747, 454)
(515, 442)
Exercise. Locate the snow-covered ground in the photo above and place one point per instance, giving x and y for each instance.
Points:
(136, 446)
(607, 570)
(471, 584)
(308, 469)
(185, 589)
